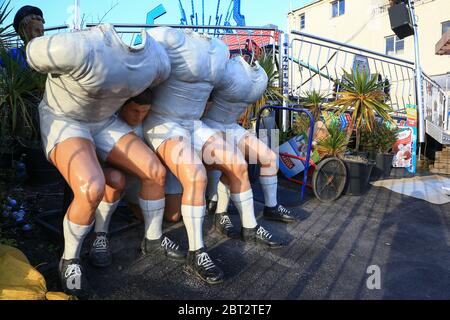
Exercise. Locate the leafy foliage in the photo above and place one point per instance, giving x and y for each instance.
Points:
(335, 143)
(21, 90)
(381, 139)
(363, 96)
(313, 100)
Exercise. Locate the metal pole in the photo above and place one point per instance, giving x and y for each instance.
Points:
(418, 70)
(447, 101)
(145, 26)
(284, 77)
(76, 19)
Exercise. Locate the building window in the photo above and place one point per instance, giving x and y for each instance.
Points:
(445, 26)
(302, 21)
(337, 8)
(394, 45)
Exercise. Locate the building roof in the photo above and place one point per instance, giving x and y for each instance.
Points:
(306, 5)
(443, 46)
(261, 38)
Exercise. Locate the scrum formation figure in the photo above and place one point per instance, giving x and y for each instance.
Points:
(241, 85)
(104, 98)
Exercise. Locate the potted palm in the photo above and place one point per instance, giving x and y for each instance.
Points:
(335, 143)
(379, 143)
(313, 100)
(364, 98)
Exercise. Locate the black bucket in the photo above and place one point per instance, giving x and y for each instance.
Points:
(358, 176)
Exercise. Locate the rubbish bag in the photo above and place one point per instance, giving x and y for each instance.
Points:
(20, 281)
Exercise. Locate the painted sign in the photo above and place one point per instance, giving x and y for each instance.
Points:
(403, 148)
(361, 64)
(296, 146)
(411, 112)
(406, 145)
(345, 120)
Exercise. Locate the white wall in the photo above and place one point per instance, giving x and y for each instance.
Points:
(363, 25)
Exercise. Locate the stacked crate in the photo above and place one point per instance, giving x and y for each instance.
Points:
(442, 162)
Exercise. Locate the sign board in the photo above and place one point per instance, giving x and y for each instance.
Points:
(361, 64)
(296, 146)
(406, 145)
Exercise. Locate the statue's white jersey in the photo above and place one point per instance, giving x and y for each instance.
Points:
(197, 63)
(92, 72)
(240, 86)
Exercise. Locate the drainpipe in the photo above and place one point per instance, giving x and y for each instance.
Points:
(419, 81)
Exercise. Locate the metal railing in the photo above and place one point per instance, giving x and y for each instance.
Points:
(317, 63)
(307, 160)
(130, 32)
(435, 102)
(12, 40)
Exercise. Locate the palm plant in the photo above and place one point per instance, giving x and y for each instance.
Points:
(335, 143)
(20, 92)
(5, 33)
(313, 100)
(363, 96)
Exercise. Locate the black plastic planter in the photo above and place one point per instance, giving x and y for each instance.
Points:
(383, 166)
(358, 176)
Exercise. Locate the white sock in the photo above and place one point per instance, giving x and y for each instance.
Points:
(74, 235)
(223, 198)
(193, 217)
(269, 186)
(153, 212)
(213, 181)
(103, 215)
(244, 204)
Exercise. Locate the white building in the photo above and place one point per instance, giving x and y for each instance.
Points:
(365, 23)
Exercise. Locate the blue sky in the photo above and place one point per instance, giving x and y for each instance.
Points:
(257, 12)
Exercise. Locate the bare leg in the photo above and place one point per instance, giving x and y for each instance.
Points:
(253, 148)
(182, 160)
(185, 164)
(221, 156)
(100, 253)
(172, 211)
(132, 155)
(115, 184)
(76, 160)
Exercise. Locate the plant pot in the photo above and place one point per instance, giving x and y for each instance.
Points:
(358, 176)
(372, 155)
(40, 171)
(383, 166)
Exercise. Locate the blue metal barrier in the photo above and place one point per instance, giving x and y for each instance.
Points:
(310, 138)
